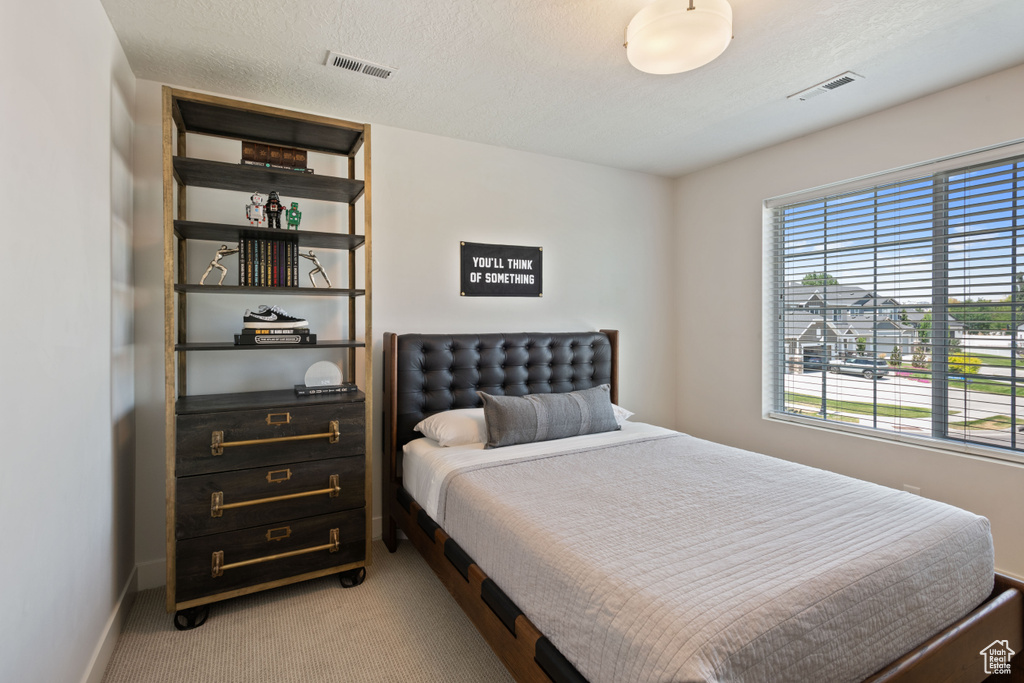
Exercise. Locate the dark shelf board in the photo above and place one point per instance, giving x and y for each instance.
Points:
(255, 400)
(295, 291)
(245, 178)
(231, 346)
(225, 232)
(290, 130)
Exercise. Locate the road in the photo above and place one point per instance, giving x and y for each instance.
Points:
(965, 405)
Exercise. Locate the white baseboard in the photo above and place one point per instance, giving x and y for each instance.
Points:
(111, 631)
(153, 574)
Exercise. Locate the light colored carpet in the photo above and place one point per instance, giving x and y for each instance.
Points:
(400, 625)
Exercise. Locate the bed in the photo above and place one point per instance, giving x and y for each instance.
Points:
(638, 553)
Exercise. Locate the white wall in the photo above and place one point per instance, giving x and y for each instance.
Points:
(607, 238)
(66, 355)
(607, 242)
(719, 288)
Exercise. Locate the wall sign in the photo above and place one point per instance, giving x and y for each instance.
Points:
(501, 270)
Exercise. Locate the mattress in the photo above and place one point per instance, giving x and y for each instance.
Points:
(648, 555)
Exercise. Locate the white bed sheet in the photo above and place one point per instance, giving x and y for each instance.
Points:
(426, 464)
(764, 570)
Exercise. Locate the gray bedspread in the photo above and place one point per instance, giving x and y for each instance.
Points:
(678, 559)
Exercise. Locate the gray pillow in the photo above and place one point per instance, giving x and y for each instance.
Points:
(541, 417)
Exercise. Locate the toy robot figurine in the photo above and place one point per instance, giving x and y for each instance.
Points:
(274, 210)
(294, 216)
(254, 209)
(319, 268)
(215, 263)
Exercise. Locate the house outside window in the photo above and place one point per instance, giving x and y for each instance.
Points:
(898, 304)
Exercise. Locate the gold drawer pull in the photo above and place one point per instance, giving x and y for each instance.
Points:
(219, 567)
(275, 476)
(217, 504)
(218, 444)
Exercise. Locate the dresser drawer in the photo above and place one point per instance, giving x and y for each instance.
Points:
(230, 561)
(226, 501)
(240, 439)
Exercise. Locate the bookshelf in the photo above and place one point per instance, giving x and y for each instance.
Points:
(264, 488)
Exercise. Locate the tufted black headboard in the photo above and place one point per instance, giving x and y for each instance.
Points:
(429, 373)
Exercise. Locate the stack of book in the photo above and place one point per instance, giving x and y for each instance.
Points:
(274, 156)
(303, 390)
(268, 263)
(278, 337)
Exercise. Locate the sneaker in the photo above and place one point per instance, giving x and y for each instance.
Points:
(271, 317)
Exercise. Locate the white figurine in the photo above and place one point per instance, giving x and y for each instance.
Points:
(254, 209)
(319, 268)
(215, 263)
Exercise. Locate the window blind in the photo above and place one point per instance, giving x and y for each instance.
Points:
(899, 307)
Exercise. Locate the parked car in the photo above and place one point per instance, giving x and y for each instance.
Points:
(814, 363)
(870, 368)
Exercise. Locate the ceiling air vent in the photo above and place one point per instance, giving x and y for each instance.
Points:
(828, 86)
(358, 65)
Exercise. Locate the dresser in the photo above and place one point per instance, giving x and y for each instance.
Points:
(267, 496)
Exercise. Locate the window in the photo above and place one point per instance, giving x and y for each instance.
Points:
(930, 269)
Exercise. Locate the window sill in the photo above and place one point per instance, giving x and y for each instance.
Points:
(954, 447)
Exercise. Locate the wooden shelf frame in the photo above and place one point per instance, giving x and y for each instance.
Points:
(295, 291)
(221, 175)
(220, 232)
(187, 112)
(221, 117)
(210, 403)
(231, 346)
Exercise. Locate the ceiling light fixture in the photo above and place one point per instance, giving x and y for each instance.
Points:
(673, 36)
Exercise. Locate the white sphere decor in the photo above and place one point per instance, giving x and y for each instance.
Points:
(323, 373)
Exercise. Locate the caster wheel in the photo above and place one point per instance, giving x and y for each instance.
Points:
(353, 577)
(193, 617)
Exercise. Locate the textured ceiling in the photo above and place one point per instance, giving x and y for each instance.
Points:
(551, 76)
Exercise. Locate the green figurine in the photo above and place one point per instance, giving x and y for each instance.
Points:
(294, 216)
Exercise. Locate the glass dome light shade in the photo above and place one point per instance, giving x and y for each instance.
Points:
(667, 37)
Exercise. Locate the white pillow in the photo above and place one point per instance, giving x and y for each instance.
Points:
(621, 414)
(454, 427)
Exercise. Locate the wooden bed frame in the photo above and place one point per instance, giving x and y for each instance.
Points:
(952, 656)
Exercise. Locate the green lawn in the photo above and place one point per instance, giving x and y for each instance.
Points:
(986, 386)
(996, 361)
(993, 422)
(860, 408)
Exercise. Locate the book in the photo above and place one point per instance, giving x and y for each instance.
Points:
(292, 330)
(249, 257)
(288, 264)
(295, 265)
(277, 264)
(275, 339)
(248, 151)
(267, 164)
(241, 262)
(268, 262)
(303, 390)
